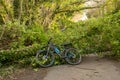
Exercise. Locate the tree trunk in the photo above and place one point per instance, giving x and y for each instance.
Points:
(21, 10)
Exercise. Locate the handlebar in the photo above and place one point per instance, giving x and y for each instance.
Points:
(50, 40)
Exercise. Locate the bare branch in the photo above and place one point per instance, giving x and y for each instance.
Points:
(83, 8)
(83, 1)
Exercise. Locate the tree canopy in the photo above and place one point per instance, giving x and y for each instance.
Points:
(43, 12)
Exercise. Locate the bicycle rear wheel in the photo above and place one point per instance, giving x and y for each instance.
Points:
(44, 59)
(73, 57)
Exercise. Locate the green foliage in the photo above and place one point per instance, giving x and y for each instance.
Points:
(92, 36)
(34, 35)
(95, 35)
(14, 35)
(25, 26)
(10, 32)
(18, 55)
(5, 71)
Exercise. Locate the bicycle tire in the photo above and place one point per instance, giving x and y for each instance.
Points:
(72, 56)
(42, 58)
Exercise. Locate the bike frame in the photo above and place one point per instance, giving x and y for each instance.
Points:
(54, 48)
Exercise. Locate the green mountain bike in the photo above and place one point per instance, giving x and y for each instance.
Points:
(46, 57)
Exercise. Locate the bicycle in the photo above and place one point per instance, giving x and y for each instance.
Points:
(46, 57)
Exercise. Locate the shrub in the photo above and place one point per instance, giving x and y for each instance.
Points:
(92, 36)
(14, 56)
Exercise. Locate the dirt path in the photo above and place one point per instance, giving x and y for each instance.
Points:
(91, 68)
(26, 74)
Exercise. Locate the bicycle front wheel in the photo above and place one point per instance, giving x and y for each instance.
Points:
(73, 57)
(44, 59)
